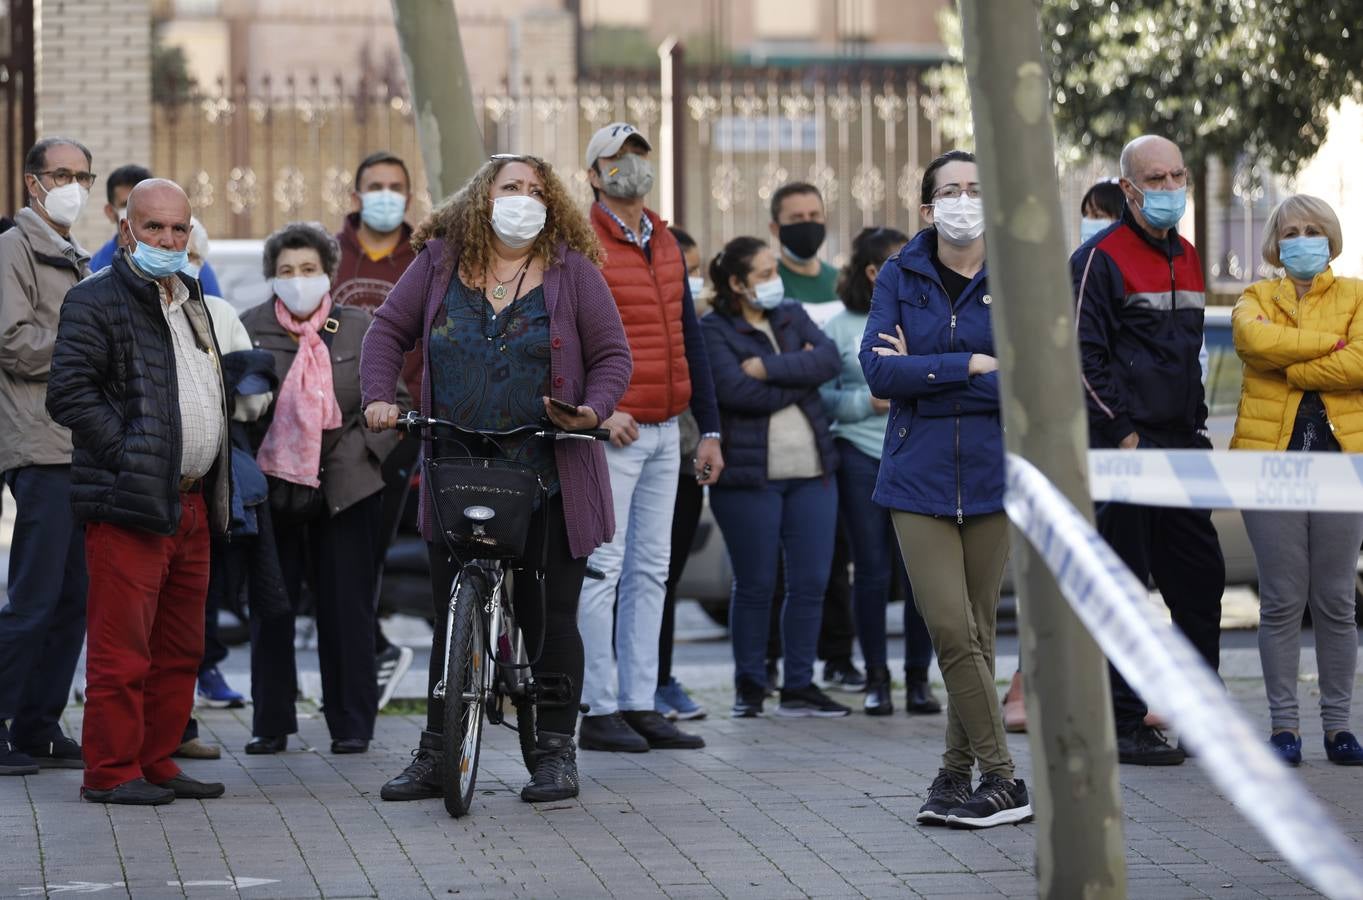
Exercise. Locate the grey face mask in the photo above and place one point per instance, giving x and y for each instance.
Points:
(626, 178)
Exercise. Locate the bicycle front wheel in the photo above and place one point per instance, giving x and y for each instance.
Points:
(466, 674)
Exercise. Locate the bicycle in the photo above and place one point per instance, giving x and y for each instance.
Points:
(482, 508)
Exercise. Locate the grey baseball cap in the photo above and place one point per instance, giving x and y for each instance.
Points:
(610, 138)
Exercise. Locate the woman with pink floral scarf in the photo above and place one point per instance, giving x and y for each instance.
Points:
(326, 482)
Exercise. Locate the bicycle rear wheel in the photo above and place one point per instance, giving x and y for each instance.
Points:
(466, 674)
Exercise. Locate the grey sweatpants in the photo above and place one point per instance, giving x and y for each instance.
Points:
(1307, 558)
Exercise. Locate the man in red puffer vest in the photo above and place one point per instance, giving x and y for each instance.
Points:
(646, 273)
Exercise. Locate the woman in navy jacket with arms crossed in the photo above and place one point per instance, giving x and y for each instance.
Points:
(929, 350)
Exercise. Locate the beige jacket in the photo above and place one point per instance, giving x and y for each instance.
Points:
(37, 268)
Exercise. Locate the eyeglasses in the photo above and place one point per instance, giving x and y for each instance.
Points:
(953, 191)
(63, 177)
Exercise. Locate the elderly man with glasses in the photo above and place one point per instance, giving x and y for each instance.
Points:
(43, 623)
(1141, 302)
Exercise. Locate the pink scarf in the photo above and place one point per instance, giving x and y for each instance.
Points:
(292, 449)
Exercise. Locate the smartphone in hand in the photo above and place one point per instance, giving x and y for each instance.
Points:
(563, 406)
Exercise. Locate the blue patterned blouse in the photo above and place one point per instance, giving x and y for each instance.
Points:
(489, 370)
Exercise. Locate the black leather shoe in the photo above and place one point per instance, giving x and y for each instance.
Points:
(611, 733)
(919, 700)
(878, 701)
(59, 753)
(1146, 746)
(350, 745)
(138, 792)
(422, 779)
(555, 775)
(259, 746)
(659, 732)
(14, 761)
(187, 788)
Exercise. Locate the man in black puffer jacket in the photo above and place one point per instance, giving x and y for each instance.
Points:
(136, 377)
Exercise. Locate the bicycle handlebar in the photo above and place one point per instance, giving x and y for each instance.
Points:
(414, 421)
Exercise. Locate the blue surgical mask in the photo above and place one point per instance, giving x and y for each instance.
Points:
(769, 294)
(1304, 257)
(1164, 209)
(697, 285)
(1090, 227)
(382, 210)
(192, 269)
(158, 263)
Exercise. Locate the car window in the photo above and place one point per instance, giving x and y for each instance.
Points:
(1224, 370)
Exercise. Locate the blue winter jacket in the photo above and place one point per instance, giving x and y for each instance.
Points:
(793, 376)
(943, 452)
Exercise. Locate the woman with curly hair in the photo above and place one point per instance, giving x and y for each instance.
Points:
(511, 312)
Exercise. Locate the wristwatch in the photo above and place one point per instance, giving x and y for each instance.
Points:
(712, 434)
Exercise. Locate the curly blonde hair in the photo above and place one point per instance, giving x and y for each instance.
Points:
(466, 220)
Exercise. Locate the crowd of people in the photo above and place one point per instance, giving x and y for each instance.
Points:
(168, 458)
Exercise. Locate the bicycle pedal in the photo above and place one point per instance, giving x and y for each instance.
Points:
(553, 691)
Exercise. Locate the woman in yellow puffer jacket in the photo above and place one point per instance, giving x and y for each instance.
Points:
(1301, 340)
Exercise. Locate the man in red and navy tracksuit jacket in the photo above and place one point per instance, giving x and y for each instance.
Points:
(1141, 299)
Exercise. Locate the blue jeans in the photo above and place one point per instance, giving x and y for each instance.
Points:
(874, 552)
(42, 626)
(620, 637)
(799, 517)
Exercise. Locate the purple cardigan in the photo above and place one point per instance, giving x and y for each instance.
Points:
(589, 364)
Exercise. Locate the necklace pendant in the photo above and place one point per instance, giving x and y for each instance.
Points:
(499, 292)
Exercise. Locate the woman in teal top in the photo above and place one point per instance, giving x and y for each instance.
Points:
(859, 422)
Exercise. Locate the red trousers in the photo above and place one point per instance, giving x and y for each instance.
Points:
(145, 641)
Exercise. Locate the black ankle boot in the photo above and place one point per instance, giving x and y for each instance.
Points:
(423, 777)
(555, 775)
(878, 701)
(919, 698)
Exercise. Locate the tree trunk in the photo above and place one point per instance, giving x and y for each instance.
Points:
(442, 97)
(1080, 852)
(1197, 173)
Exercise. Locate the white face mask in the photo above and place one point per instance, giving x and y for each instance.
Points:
(959, 220)
(697, 285)
(769, 294)
(122, 213)
(301, 296)
(518, 219)
(64, 204)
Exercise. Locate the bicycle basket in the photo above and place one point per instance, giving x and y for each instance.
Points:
(482, 506)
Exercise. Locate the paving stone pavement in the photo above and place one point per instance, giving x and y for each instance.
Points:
(771, 808)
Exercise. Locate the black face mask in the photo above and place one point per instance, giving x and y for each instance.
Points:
(802, 239)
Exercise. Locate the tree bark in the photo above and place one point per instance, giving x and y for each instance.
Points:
(1197, 172)
(442, 96)
(1080, 851)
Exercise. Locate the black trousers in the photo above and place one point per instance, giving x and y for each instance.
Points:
(397, 480)
(1178, 548)
(562, 653)
(685, 519)
(335, 556)
(42, 625)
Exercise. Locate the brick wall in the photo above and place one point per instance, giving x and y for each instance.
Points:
(94, 85)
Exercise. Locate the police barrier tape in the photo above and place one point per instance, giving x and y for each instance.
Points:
(1160, 663)
(1239, 479)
